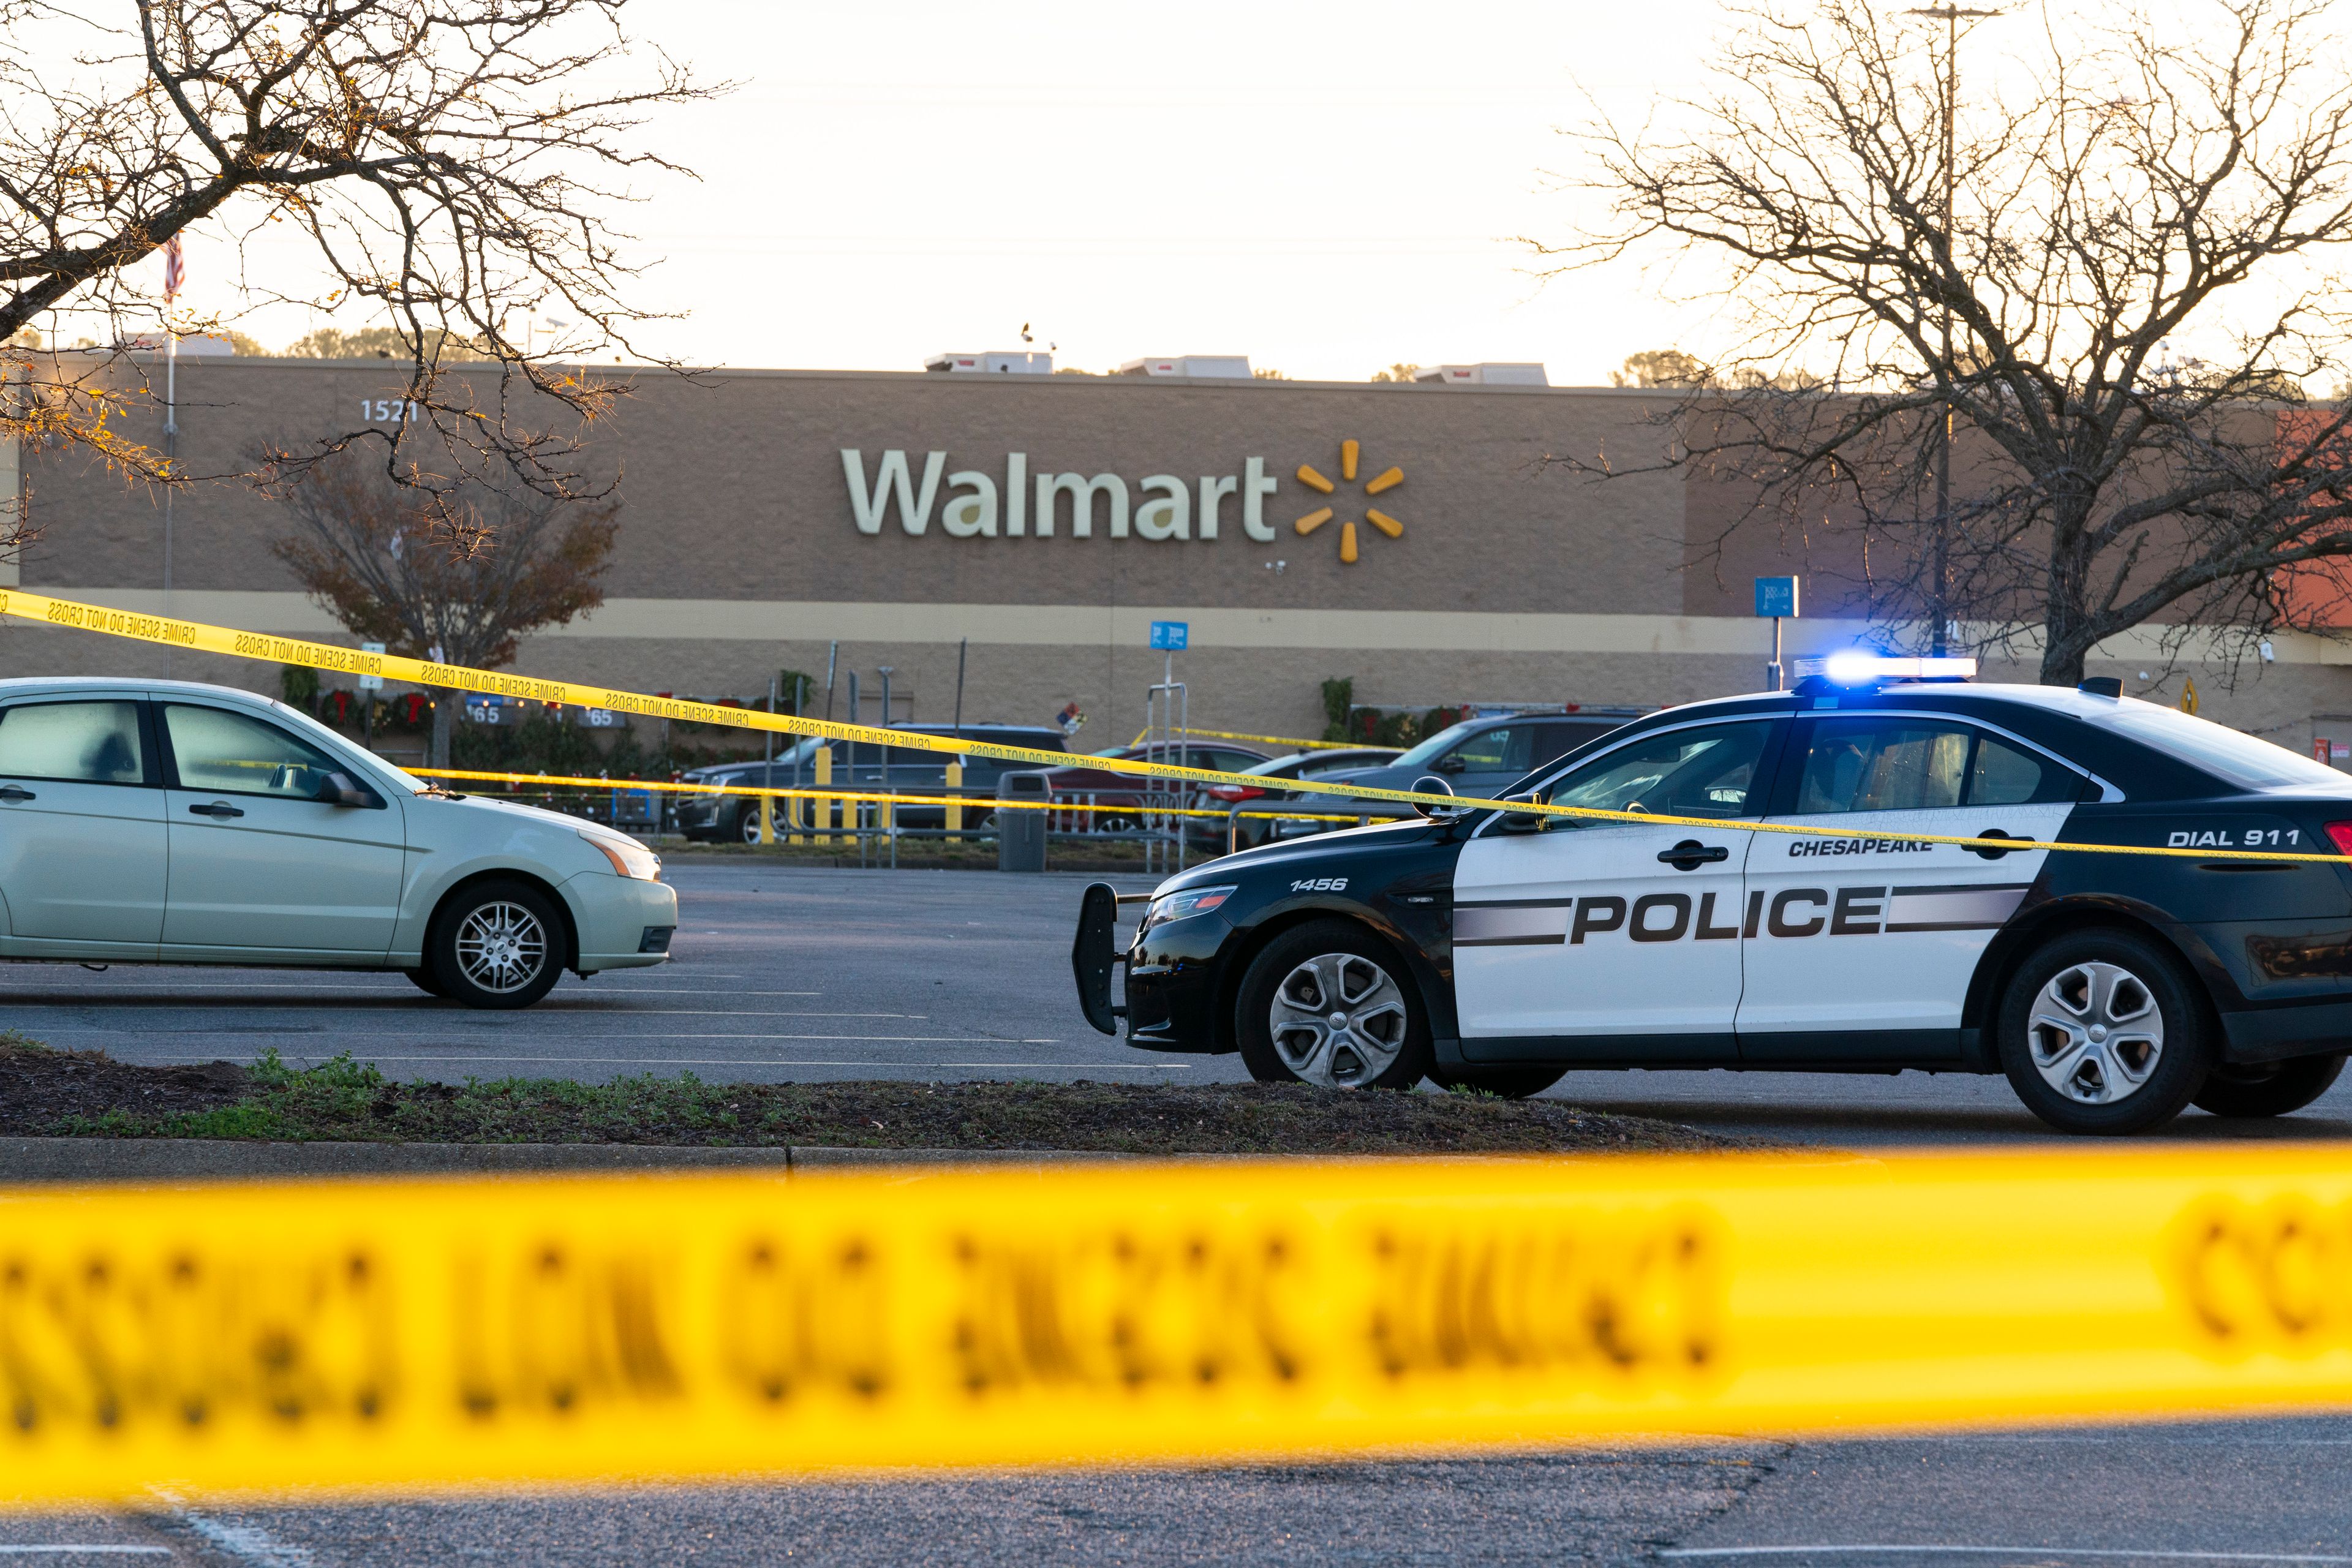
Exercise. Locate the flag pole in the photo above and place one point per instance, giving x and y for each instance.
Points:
(174, 275)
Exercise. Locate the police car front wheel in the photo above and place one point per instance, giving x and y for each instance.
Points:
(2101, 1031)
(1328, 1003)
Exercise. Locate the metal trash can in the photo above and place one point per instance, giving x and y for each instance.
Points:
(1021, 835)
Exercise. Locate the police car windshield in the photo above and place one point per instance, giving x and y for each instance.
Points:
(1434, 747)
(2244, 760)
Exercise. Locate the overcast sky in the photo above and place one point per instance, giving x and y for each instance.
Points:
(1324, 187)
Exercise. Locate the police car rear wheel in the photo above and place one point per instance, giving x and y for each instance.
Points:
(2268, 1089)
(1327, 1004)
(2101, 1033)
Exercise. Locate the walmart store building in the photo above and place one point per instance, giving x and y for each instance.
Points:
(1418, 538)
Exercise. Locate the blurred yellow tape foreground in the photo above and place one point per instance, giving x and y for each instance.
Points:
(383, 1335)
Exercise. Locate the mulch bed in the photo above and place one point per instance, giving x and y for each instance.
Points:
(49, 1093)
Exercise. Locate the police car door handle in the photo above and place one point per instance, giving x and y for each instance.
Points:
(218, 808)
(1991, 854)
(15, 792)
(1690, 854)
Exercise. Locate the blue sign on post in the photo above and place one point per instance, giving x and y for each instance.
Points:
(1776, 597)
(1169, 637)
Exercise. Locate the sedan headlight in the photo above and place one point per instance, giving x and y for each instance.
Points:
(629, 857)
(1187, 901)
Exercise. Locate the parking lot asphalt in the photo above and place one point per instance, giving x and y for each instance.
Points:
(784, 973)
(778, 973)
(2258, 1494)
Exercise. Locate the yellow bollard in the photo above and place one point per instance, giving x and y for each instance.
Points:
(825, 781)
(768, 820)
(955, 783)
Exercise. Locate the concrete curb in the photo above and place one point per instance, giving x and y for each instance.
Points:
(184, 1158)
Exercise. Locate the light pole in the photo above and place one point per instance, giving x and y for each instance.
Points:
(1951, 15)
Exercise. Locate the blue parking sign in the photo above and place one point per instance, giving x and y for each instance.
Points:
(1170, 636)
(1776, 597)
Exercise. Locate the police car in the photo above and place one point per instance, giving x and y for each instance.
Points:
(1497, 949)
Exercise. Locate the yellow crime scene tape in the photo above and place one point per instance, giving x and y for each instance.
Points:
(976, 803)
(381, 1336)
(196, 635)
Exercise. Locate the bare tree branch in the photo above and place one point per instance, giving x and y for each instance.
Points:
(364, 549)
(455, 163)
(2140, 281)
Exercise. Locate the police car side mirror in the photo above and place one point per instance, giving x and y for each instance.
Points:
(1430, 784)
(1530, 821)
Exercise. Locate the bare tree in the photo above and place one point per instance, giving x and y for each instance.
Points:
(363, 548)
(1660, 367)
(2087, 297)
(452, 163)
(379, 342)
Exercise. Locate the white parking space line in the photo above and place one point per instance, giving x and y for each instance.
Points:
(639, 1038)
(753, 1013)
(247, 1543)
(808, 1062)
(76, 1549)
(2038, 1554)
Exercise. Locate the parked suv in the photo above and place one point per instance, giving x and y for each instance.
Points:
(735, 818)
(1476, 757)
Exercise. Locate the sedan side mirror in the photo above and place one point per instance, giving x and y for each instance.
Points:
(1430, 784)
(341, 789)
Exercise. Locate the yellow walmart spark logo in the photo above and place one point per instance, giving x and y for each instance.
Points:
(1349, 454)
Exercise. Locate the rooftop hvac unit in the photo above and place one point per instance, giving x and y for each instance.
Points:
(991, 365)
(1483, 374)
(1224, 367)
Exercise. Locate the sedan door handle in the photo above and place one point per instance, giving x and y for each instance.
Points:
(215, 809)
(1690, 854)
(15, 792)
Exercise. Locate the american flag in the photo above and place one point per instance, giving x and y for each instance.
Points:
(174, 268)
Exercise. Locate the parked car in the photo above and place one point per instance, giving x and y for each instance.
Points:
(1125, 793)
(168, 822)
(1476, 757)
(1212, 836)
(735, 819)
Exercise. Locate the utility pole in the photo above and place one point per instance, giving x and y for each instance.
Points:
(1951, 16)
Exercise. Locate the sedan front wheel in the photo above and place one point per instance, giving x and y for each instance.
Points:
(496, 945)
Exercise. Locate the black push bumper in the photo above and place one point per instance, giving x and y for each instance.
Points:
(1095, 949)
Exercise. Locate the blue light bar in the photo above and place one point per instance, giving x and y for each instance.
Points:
(1860, 669)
